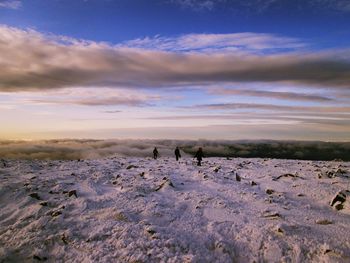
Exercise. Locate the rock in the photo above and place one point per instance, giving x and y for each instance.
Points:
(43, 203)
(323, 222)
(142, 175)
(271, 215)
(238, 178)
(286, 175)
(341, 171)
(166, 182)
(72, 192)
(151, 231)
(3, 163)
(279, 229)
(269, 191)
(64, 239)
(55, 213)
(35, 195)
(217, 169)
(300, 194)
(252, 183)
(338, 206)
(131, 166)
(36, 257)
(339, 197)
(330, 174)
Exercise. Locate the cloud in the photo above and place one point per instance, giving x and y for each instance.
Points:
(272, 94)
(210, 43)
(112, 111)
(92, 97)
(339, 5)
(260, 6)
(270, 107)
(33, 61)
(10, 4)
(266, 118)
(92, 149)
(197, 5)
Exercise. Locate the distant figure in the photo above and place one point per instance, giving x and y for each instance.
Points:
(155, 153)
(177, 153)
(199, 156)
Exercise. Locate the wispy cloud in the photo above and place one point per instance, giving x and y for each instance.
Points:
(263, 5)
(10, 4)
(210, 43)
(269, 107)
(272, 94)
(33, 61)
(94, 97)
(339, 5)
(198, 5)
(112, 111)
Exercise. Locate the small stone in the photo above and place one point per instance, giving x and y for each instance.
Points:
(323, 222)
(131, 166)
(64, 239)
(252, 183)
(279, 230)
(55, 213)
(269, 191)
(217, 169)
(151, 231)
(35, 195)
(338, 206)
(72, 192)
(44, 203)
(300, 194)
(36, 257)
(339, 197)
(238, 178)
(272, 215)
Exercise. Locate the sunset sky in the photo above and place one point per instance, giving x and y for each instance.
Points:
(179, 69)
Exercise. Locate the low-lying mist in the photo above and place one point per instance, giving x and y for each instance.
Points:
(92, 149)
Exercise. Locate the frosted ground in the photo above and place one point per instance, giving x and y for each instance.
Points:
(143, 210)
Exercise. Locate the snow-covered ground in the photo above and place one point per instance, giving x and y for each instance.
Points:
(144, 210)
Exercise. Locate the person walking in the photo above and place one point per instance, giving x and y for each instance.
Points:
(199, 155)
(177, 153)
(155, 153)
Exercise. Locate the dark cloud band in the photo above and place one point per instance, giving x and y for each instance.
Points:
(31, 61)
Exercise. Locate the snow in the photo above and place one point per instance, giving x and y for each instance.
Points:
(145, 210)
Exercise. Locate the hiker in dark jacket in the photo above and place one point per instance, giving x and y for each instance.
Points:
(177, 153)
(155, 153)
(199, 155)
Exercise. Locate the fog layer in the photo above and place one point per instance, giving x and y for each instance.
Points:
(92, 149)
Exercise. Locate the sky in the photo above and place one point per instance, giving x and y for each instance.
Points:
(175, 69)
